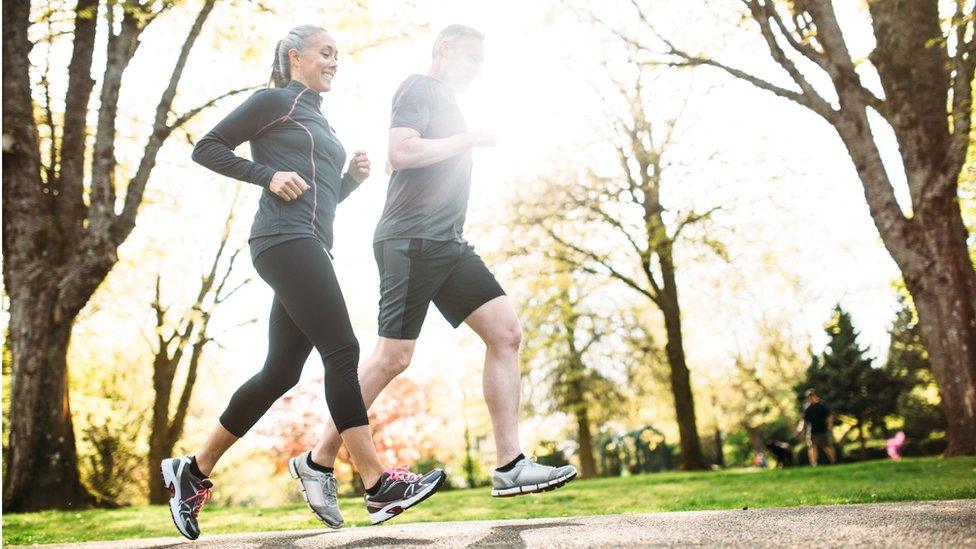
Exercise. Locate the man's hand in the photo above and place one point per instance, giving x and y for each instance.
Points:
(287, 185)
(359, 166)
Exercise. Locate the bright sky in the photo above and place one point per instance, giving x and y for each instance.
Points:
(787, 180)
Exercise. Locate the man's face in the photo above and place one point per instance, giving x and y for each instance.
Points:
(462, 60)
(812, 399)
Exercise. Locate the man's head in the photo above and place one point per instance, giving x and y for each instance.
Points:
(811, 396)
(457, 56)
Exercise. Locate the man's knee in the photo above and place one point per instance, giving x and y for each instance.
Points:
(508, 336)
(394, 356)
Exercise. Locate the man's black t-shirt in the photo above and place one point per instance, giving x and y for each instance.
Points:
(428, 202)
(816, 415)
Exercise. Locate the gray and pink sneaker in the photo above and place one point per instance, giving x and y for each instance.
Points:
(188, 493)
(400, 490)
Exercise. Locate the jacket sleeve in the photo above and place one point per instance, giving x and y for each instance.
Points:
(215, 150)
(347, 186)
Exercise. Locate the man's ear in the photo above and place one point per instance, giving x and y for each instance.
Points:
(444, 47)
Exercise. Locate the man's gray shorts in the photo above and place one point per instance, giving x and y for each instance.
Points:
(414, 272)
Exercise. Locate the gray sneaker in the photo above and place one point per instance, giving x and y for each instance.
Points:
(319, 490)
(528, 477)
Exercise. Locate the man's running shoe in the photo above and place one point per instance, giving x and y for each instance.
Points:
(528, 477)
(187, 492)
(399, 490)
(319, 490)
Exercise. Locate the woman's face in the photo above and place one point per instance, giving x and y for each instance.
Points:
(317, 63)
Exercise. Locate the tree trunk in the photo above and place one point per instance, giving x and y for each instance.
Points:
(719, 451)
(42, 471)
(468, 457)
(57, 250)
(860, 439)
(931, 252)
(160, 447)
(928, 104)
(587, 461)
(945, 297)
(684, 402)
(929, 247)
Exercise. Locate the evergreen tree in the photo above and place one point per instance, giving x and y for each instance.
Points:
(908, 363)
(844, 376)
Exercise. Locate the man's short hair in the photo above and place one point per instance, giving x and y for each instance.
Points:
(810, 392)
(454, 32)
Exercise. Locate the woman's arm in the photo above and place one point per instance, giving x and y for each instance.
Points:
(215, 150)
(357, 173)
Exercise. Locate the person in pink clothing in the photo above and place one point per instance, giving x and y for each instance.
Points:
(894, 445)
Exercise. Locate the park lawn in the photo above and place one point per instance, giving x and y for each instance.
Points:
(875, 481)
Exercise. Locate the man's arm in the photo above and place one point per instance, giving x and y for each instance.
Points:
(409, 150)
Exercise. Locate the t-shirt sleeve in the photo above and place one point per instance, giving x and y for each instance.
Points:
(411, 108)
(215, 150)
(806, 412)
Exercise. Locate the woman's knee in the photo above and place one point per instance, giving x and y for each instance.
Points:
(344, 354)
(276, 384)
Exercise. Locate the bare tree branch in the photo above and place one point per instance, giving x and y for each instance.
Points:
(964, 64)
(137, 185)
(188, 115)
(761, 15)
(801, 45)
(120, 49)
(603, 263)
(692, 219)
(70, 184)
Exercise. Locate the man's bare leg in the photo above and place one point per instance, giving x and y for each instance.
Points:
(389, 359)
(497, 324)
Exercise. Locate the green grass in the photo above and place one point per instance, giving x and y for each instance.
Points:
(910, 479)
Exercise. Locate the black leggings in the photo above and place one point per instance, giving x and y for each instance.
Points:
(308, 311)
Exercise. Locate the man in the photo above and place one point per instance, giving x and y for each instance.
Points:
(423, 258)
(818, 423)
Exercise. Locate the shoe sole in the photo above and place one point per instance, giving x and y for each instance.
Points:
(393, 509)
(532, 488)
(293, 469)
(169, 482)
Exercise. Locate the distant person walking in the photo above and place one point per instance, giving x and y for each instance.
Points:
(818, 423)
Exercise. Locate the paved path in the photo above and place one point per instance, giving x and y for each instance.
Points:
(915, 524)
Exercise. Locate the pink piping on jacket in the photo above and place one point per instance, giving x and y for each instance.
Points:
(311, 153)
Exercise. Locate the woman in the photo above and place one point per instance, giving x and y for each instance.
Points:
(298, 161)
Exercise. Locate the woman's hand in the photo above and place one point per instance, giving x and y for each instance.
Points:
(287, 185)
(359, 166)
